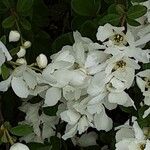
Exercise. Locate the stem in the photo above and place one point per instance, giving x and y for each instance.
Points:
(123, 20)
(17, 24)
(1, 115)
(18, 64)
(9, 137)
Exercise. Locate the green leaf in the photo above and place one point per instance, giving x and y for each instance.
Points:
(77, 22)
(133, 22)
(113, 19)
(56, 143)
(3, 39)
(116, 9)
(14, 51)
(51, 111)
(62, 40)
(7, 3)
(8, 22)
(146, 66)
(86, 7)
(38, 146)
(24, 6)
(25, 24)
(5, 72)
(89, 29)
(136, 11)
(21, 130)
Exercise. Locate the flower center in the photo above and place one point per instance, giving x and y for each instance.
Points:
(119, 64)
(76, 66)
(142, 146)
(118, 39)
(147, 82)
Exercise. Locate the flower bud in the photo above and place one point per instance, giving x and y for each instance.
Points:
(21, 61)
(19, 146)
(22, 52)
(14, 36)
(42, 61)
(27, 44)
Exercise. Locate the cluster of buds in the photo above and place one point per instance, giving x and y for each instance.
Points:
(15, 36)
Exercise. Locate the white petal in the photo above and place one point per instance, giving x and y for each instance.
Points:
(104, 32)
(2, 58)
(30, 79)
(141, 84)
(80, 53)
(5, 51)
(123, 145)
(4, 85)
(119, 98)
(124, 133)
(145, 73)
(146, 113)
(52, 96)
(19, 146)
(20, 87)
(87, 139)
(102, 121)
(143, 40)
(70, 132)
(70, 116)
(147, 145)
(83, 124)
(138, 131)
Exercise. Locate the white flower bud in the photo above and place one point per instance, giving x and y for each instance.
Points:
(21, 61)
(19, 146)
(42, 61)
(14, 36)
(22, 52)
(27, 44)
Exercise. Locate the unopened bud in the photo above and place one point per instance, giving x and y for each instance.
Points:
(22, 52)
(42, 61)
(21, 61)
(14, 36)
(27, 44)
(19, 146)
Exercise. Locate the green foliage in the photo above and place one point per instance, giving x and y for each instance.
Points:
(136, 11)
(113, 19)
(65, 39)
(8, 22)
(51, 111)
(21, 130)
(5, 72)
(86, 8)
(24, 7)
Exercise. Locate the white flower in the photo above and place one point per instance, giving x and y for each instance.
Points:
(42, 61)
(19, 146)
(122, 68)
(21, 61)
(14, 36)
(4, 54)
(131, 138)
(143, 81)
(109, 91)
(117, 42)
(27, 44)
(37, 121)
(22, 52)
(24, 82)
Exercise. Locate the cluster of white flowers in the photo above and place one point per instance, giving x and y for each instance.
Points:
(86, 79)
